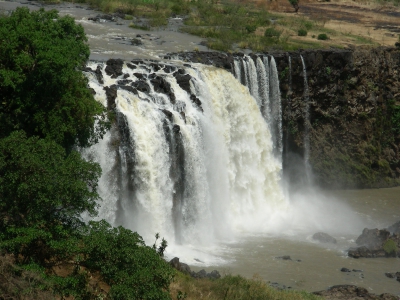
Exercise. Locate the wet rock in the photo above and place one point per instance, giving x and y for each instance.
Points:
(128, 88)
(140, 75)
(160, 85)
(373, 239)
(111, 94)
(176, 128)
(126, 75)
(124, 82)
(168, 114)
(131, 66)
(141, 86)
(183, 80)
(92, 91)
(98, 18)
(352, 292)
(114, 67)
(196, 101)
(324, 238)
(99, 75)
(365, 252)
(345, 270)
(136, 42)
(393, 275)
(284, 257)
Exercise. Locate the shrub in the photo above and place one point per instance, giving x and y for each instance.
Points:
(271, 32)
(390, 247)
(302, 32)
(132, 269)
(322, 36)
(251, 28)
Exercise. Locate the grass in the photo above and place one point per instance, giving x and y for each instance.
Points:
(229, 25)
(233, 288)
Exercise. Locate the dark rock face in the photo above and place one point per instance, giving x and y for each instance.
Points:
(324, 238)
(220, 60)
(111, 93)
(377, 243)
(351, 292)
(184, 268)
(114, 67)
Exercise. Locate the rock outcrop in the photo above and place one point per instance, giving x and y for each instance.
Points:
(352, 292)
(377, 243)
(184, 268)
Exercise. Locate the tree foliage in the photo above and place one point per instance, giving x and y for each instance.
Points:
(45, 185)
(41, 89)
(43, 192)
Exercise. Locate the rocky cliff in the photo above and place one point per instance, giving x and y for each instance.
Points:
(354, 113)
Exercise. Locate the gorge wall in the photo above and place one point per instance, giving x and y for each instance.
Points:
(353, 113)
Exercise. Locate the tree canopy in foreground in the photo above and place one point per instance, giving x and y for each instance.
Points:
(46, 110)
(41, 89)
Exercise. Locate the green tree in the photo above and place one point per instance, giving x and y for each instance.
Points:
(42, 90)
(43, 193)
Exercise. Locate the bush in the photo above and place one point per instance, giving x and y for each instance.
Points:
(271, 32)
(251, 28)
(132, 269)
(322, 36)
(302, 32)
(390, 247)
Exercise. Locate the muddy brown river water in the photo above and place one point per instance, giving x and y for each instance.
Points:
(343, 214)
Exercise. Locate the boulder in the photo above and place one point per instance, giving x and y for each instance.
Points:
(373, 239)
(324, 238)
(114, 67)
(111, 94)
(352, 292)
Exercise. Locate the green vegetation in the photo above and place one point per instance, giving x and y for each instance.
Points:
(41, 91)
(390, 247)
(302, 32)
(322, 36)
(231, 287)
(46, 111)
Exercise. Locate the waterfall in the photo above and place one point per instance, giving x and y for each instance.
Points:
(306, 141)
(189, 156)
(289, 103)
(276, 108)
(262, 80)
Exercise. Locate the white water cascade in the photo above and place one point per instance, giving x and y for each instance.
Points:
(306, 140)
(262, 80)
(194, 163)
